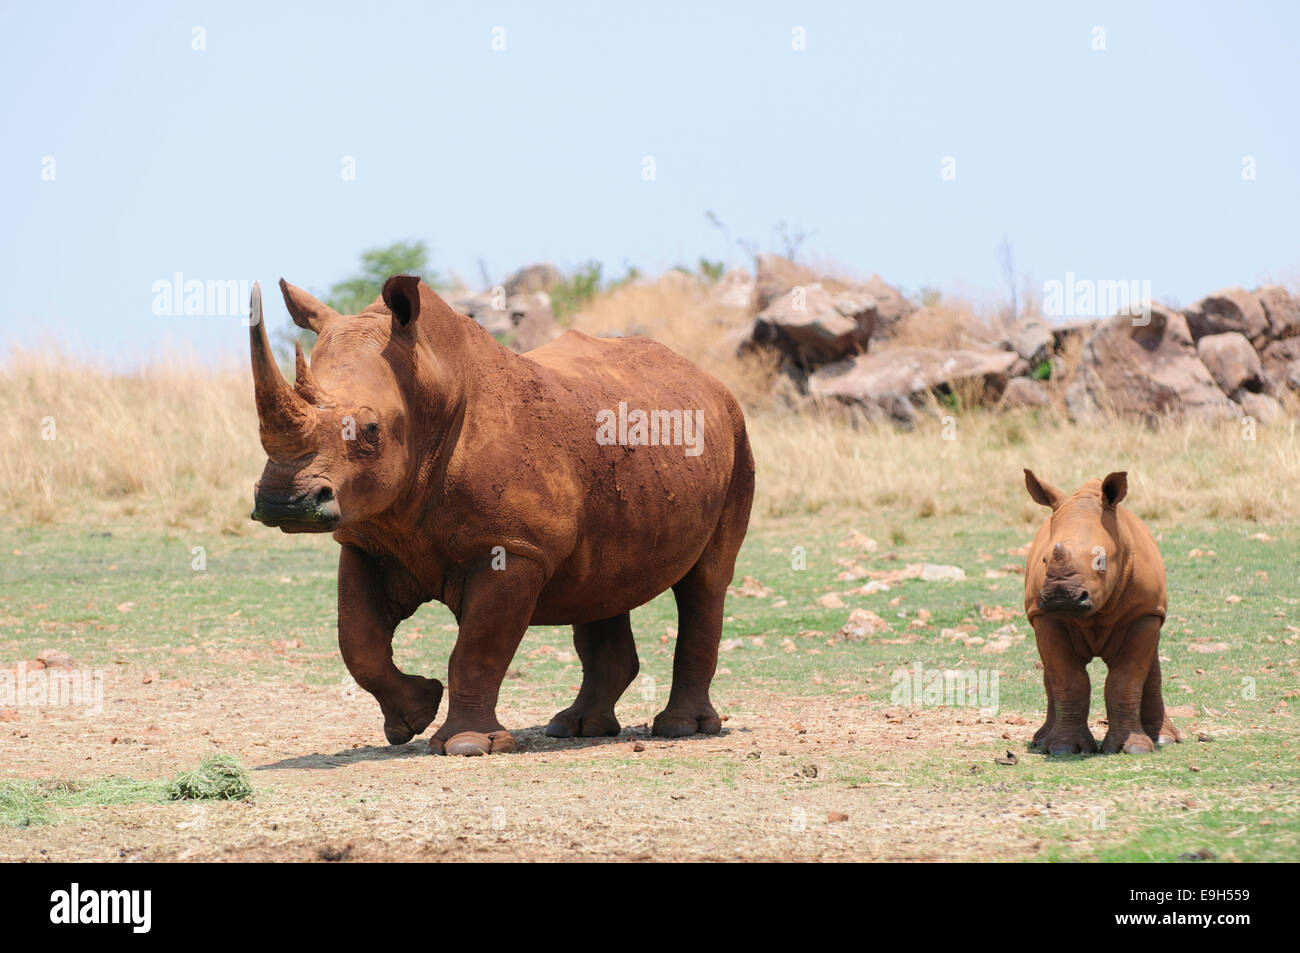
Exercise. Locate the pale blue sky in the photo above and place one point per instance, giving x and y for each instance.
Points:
(226, 163)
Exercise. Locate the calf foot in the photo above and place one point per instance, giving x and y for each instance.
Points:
(1164, 732)
(678, 722)
(1128, 742)
(1039, 735)
(1078, 740)
(583, 722)
(415, 712)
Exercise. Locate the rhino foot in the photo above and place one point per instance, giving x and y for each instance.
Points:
(1128, 742)
(671, 723)
(401, 727)
(473, 743)
(1077, 741)
(576, 723)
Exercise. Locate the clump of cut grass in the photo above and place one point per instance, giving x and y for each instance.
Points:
(219, 777)
(28, 803)
(20, 806)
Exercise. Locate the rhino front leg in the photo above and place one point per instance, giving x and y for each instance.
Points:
(1126, 680)
(496, 608)
(366, 624)
(1044, 731)
(1065, 675)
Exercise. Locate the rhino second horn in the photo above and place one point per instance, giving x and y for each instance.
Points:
(305, 382)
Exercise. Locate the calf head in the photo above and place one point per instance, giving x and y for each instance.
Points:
(1081, 562)
(342, 441)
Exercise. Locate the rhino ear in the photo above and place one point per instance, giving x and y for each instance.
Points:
(1042, 492)
(308, 313)
(1115, 487)
(402, 295)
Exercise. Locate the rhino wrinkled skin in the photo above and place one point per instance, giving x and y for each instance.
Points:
(1095, 587)
(449, 468)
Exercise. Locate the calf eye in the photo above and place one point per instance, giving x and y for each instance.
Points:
(371, 430)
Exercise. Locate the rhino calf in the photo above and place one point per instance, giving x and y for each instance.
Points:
(1095, 586)
(449, 468)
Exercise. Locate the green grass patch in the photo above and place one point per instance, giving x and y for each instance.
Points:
(28, 803)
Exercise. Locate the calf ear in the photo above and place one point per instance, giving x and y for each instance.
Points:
(1042, 492)
(402, 295)
(1114, 487)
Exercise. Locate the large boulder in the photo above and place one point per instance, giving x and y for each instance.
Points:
(889, 383)
(1031, 338)
(775, 276)
(1230, 309)
(1281, 361)
(1147, 367)
(811, 325)
(532, 279)
(891, 306)
(1063, 335)
(1232, 362)
(1263, 407)
(1281, 310)
(1025, 392)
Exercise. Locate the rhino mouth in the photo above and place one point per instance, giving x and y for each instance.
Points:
(1065, 601)
(316, 511)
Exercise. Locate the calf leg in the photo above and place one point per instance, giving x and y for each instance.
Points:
(1129, 666)
(609, 664)
(1044, 731)
(496, 607)
(366, 623)
(1065, 675)
(1155, 720)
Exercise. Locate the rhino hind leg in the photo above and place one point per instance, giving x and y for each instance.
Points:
(609, 664)
(700, 596)
(699, 619)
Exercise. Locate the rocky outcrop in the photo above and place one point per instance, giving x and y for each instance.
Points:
(1281, 310)
(812, 326)
(1232, 362)
(532, 279)
(890, 384)
(521, 322)
(1147, 366)
(1230, 309)
(774, 276)
(1281, 360)
(1025, 392)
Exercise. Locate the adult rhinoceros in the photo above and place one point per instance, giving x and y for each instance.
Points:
(516, 489)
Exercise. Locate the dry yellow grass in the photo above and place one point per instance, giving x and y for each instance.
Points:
(177, 445)
(171, 444)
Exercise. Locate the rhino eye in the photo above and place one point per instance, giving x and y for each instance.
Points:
(371, 430)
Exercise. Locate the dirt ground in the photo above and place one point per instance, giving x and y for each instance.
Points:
(796, 780)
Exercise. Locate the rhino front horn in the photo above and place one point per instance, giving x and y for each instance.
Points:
(284, 418)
